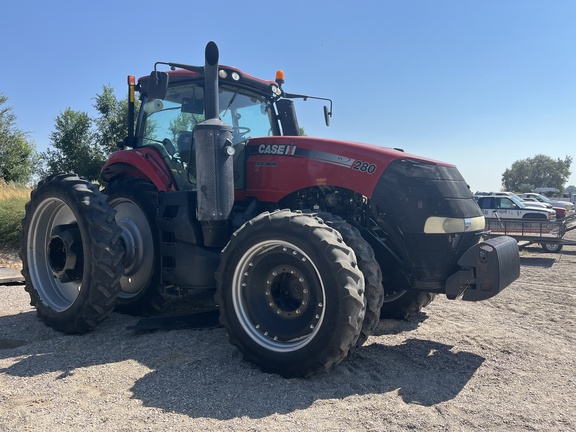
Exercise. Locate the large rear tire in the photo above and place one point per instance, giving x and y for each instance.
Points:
(135, 203)
(290, 293)
(71, 253)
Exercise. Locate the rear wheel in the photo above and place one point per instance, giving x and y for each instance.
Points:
(290, 293)
(552, 247)
(71, 253)
(135, 203)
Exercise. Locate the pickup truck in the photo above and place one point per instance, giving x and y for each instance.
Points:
(511, 207)
(556, 203)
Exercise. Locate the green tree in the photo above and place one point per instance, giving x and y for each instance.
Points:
(538, 171)
(74, 148)
(17, 152)
(82, 143)
(184, 122)
(112, 122)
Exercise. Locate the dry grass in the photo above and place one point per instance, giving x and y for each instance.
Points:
(11, 190)
(13, 198)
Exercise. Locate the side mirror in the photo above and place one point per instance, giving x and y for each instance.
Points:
(157, 85)
(327, 115)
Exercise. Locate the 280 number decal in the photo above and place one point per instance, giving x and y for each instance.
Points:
(359, 165)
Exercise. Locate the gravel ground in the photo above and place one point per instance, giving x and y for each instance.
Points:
(506, 364)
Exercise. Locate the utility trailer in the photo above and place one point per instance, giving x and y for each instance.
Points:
(549, 234)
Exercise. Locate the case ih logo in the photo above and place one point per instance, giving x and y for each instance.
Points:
(277, 149)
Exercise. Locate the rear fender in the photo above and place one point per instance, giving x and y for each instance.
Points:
(141, 162)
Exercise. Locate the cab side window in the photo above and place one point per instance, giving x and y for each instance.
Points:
(485, 203)
(506, 203)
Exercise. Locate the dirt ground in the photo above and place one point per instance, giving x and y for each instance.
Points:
(506, 364)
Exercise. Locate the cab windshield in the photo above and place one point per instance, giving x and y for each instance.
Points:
(167, 124)
(518, 201)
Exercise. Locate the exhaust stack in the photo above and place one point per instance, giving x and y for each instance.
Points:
(214, 162)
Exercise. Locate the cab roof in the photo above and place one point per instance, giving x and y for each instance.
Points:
(227, 74)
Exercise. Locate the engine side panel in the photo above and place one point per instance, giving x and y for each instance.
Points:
(278, 166)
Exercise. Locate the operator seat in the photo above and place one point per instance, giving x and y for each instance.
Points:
(185, 145)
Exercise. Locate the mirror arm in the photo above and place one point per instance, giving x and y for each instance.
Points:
(328, 113)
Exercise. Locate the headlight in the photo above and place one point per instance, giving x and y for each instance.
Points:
(275, 90)
(445, 225)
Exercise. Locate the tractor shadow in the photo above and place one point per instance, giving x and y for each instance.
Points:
(199, 374)
(537, 262)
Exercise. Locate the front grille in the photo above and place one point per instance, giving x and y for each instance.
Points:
(408, 193)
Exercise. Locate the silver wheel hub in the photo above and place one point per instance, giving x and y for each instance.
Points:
(278, 296)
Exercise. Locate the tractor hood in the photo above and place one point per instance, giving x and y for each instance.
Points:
(280, 165)
(429, 212)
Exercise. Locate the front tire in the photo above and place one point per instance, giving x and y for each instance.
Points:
(290, 293)
(403, 304)
(374, 292)
(71, 253)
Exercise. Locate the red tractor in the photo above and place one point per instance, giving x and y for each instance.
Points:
(307, 242)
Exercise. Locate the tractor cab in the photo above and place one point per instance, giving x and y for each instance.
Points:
(172, 104)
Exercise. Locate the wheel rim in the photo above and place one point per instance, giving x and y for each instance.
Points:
(551, 247)
(49, 255)
(278, 296)
(392, 296)
(139, 247)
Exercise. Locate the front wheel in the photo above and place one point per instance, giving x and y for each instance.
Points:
(71, 253)
(290, 293)
(373, 292)
(403, 304)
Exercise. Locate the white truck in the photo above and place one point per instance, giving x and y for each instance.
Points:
(500, 206)
(569, 206)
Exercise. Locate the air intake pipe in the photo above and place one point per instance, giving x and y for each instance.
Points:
(214, 162)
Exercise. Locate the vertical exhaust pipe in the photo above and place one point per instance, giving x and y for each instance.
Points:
(211, 102)
(214, 162)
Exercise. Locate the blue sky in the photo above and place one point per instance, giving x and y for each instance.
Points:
(480, 84)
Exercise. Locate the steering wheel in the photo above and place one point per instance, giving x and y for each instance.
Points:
(241, 131)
